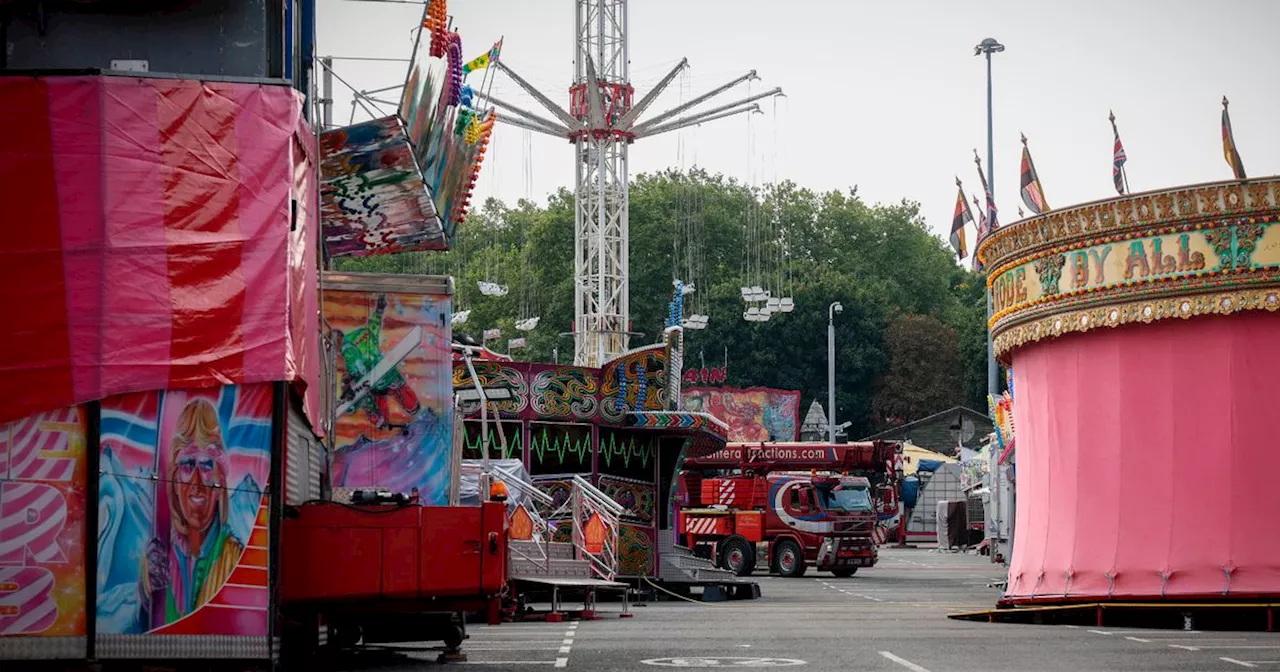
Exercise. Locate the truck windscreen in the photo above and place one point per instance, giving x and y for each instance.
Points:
(845, 498)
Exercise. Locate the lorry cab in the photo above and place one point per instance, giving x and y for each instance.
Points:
(824, 521)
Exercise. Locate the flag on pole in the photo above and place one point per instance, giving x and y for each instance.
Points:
(1117, 160)
(516, 343)
(1229, 144)
(1032, 191)
(958, 221)
(993, 217)
(982, 231)
(483, 60)
(492, 334)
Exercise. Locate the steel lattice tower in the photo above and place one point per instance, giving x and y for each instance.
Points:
(602, 122)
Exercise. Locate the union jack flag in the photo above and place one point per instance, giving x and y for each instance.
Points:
(1117, 159)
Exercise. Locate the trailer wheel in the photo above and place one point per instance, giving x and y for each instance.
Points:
(738, 555)
(788, 560)
(844, 572)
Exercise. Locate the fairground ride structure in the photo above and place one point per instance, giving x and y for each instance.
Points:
(602, 122)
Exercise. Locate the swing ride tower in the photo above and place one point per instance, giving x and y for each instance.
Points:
(602, 122)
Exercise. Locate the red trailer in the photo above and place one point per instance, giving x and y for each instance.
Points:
(733, 501)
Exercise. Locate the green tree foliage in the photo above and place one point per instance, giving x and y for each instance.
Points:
(911, 339)
(924, 375)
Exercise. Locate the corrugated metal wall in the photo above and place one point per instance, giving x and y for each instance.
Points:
(305, 459)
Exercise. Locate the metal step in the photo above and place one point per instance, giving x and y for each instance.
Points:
(555, 549)
(556, 567)
(680, 564)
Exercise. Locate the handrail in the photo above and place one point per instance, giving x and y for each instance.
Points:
(604, 500)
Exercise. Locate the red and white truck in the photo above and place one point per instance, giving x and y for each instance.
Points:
(800, 504)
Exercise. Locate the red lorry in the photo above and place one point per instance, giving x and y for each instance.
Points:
(750, 495)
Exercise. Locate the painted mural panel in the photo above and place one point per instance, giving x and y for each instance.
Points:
(42, 525)
(636, 496)
(753, 414)
(447, 133)
(372, 196)
(497, 374)
(635, 381)
(568, 392)
(182, 527)
(635, 550)
(393, 422)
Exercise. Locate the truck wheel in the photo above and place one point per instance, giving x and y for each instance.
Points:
(738, 556)
(844, 572)
(788, 560)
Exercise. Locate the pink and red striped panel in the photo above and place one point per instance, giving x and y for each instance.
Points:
(149, 244)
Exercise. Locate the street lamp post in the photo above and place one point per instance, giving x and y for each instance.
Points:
(834, 308)
(987, 47)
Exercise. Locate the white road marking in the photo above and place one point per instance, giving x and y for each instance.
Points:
(1237, 662)
(473, 647)
(903, 662)
(1102, 632)
(510, 662)
(1136, 639)
(562, 662)
(1216, 646)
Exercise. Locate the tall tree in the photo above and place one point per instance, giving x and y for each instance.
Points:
(879, 261)
(925, 375)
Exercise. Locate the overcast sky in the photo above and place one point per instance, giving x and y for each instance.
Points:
(885, 95)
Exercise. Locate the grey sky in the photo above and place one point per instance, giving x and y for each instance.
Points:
(888, 95)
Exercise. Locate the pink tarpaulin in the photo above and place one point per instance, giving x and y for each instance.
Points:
(1146, 462)
(150, 239)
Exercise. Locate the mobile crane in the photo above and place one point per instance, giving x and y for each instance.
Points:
(805, 503)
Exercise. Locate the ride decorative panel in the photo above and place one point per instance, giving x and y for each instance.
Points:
(393, 419)
(635, 550)
(636, 496)
(372, 197)
(42, 525)
(559, 448)
(753, 414)
(182, 523)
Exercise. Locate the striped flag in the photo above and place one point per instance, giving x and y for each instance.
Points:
(1117, 160)
(1032, 191)
(983, 230)
(993, 218)
(1229, 150)
(961, 217)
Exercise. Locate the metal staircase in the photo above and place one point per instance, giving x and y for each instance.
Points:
(554, 559)
(680, 565)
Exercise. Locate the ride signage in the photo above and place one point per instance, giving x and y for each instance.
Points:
(734, 455)
(1104, 266)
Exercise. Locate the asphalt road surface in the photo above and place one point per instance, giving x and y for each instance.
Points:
(891, 617)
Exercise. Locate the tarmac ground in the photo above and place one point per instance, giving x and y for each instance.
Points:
(892, 617)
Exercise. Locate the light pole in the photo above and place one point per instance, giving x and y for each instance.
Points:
(834, 308)
(987, 47)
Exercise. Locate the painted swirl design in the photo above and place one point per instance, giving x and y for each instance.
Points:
(563, 392)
